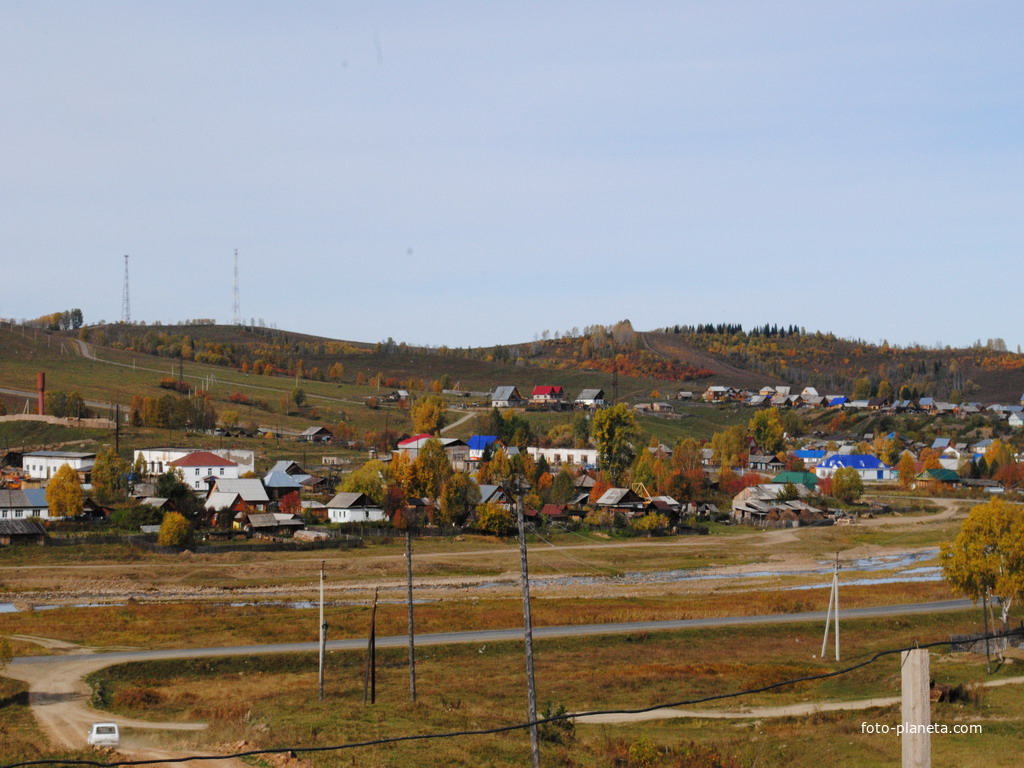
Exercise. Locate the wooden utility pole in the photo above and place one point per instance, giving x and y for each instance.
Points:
(323, 632)
(916, 709)
(412, 630)
(833, 606)
(531, 689)
(984, 613)
(370, 680)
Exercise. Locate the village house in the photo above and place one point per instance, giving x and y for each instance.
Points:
(718, 394)
(158, 460)
(507, 397)
(352, 507)
(623, 500)
(761, 505)
(316, 435)
(21, 532)
(197, 467)
(547, 395)
(590, 398)
(21, 505)
(556, 457)
(227, 493)
(495, 494)
(456, 450)
(760, 462)
(263, 524)
(870, 468)
(42, 465)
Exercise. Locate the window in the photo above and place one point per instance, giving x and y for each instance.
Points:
(198, 483)
(222, 470)
(197, 472)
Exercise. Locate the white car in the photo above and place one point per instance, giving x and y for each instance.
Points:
(103, 735)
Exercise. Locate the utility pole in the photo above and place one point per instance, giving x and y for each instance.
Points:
(531, 689)
(984, 613)
(833, 605)
(323, 632)
(412, 630)
(370, 679)
(117, 429)
(915, 709)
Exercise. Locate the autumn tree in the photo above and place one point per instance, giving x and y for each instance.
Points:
(459, 497)
(906, 468)
(110, 476)
(729, 447)
(431, 468)
(615, 432)
(368, 479)
(290, 504)
(175, 531)
(562, 487)
(64, 493)
(862, 388)
(400, 472)
(847, 485)
(766, 427)
(429, 415)
(495, 518)
(987, 556)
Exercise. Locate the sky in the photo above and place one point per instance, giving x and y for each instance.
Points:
(467, 173)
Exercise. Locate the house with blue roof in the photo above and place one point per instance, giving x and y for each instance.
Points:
(870, 468)
(478, 444)
(810, 457)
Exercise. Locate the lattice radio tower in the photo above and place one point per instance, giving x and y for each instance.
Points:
(236, 312)
(126, 302)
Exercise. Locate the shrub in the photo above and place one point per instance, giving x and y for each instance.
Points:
(175, 531)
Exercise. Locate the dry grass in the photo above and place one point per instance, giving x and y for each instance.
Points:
(271, 700)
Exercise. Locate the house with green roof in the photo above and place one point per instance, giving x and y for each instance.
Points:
(808, 479)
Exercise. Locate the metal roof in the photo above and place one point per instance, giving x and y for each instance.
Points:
(21, 527)
(30, 499)
(506, 393)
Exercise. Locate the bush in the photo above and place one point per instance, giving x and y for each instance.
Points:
(133, 518)
(175, 531)
(559, 731)
(494, 518)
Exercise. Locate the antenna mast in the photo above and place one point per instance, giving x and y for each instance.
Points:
(126, 304)
(236, 312)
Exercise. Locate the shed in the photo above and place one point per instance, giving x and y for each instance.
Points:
(21, 532)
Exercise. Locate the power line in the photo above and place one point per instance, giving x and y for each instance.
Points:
(513, 726)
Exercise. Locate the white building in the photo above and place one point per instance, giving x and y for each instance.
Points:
(158, 460)
(591, 398)
(353, 508)
(21, 505)
(581, 457)
(195, 467)
(42, 465)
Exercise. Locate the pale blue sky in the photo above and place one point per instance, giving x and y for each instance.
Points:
(472, 173)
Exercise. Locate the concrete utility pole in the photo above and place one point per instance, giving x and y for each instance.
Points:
(531, 688)
(412, 630)
(833, 605)
(323, 632)
(916, 709)
(370, 680)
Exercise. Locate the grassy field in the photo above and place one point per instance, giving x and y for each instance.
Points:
(270, 701)
(214, 623)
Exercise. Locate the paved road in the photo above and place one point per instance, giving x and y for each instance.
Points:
(499, 635)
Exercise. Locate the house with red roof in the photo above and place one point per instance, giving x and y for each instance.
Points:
(547, 395)
(198, 466)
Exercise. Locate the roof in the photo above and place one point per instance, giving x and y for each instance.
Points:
(280, 480)
(220, 500)
(480, 442)
(311, 431)
(591, 394)
(410, 441)
(21, 528)
(203, 459)
(942, 475)
(61, 454)
(553, 510)
(837, 400)
(797, 478)
(270, 520)
(350, 500)
(505, 393)
(855, 460)
(616, 496)
(250, 489)
(490, 492)
(31, 499)
(807, 453)
(154, 501)
(548, 390)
